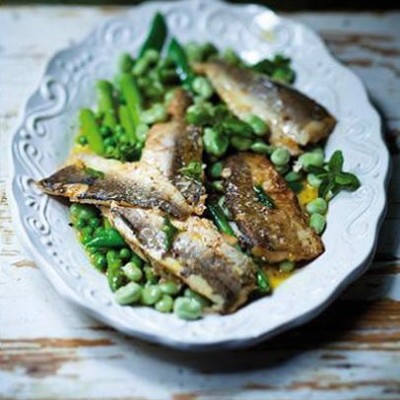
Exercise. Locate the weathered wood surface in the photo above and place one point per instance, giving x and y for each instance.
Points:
(50, 350)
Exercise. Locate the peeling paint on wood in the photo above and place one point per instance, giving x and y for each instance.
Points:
(51, 350)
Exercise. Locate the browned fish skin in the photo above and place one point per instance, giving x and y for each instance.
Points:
(172, 146)
(275, 234)
(199, 256)
(295, 119)
(126, 184)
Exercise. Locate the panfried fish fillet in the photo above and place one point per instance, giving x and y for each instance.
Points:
(199, 255)
(173, 146)
(295, 119)
(92, 179)
(275, 234)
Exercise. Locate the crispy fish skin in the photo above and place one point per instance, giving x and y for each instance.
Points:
(295, 120)
(172, 146)
(199, 255)
(274, 234)
(126, 184)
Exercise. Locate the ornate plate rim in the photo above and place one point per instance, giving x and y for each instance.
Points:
(199, 344)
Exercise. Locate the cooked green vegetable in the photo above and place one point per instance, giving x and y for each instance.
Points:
(127, 123)
(280, 157)
(193, 170)
(186, 308)
(263, 197)
(125, 62)
(106, 103)
(286, 266)
(157, 35)
(115, 275)
(215, 143)
(132, 272)
(109, 238)
(219, 218)
(91, 131)
(317, 222)
(128, 294)
(170, 232)
(165, 304)
(317, 205)
(132, 97)
(260, 128)
(170, 288)
(262, 281)
(150, 295)
(177, 54)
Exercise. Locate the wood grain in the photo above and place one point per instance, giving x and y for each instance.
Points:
(50, 350)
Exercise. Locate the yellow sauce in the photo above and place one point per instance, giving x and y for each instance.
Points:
(308, 194)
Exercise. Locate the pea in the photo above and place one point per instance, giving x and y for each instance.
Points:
(115, 277)
(128, 294)
(314, 181)
(286, 266)
(202, 87)
(165, 304)
(151, 56)
(105, 131)
(217, 186)
(318, 206)
(80, 223)
(259, 127)
(191, 294)
(216, 169)
(186, 308)
(194, 52)
(124, 253)
(241, 144)
(149, 274)
(292, 176)
(75, 209)
(150, 295)
(318, 150)
(280, 156)
(311, 159)
(100, 262)
(141, 131)
(214, 143)
(87, 230)
(109, 142)
(94, 222)
(132, 272)
(317, 222)
(82, 140)
(261, 148)
(170, 288)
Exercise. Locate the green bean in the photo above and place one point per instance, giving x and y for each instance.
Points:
(260, 128)
(185, 308)
(132, 272)
(170, 288)
(91, 130)
(202, 87)
(317, 222)
(263, 283)
(317, 205)
(150, 295)
(128, 294)
(110, 238)
(141, 132)
(215, 143)
(261, 148)
(157, 113)
(125, 62)
(106, 103)
(132, 96)
(307, 160)
(127, 122)
(115, 276)
(100, 262)
(241, 144)
(280, 156)
(216, 169)
(314, 181)
(191, 294)
(286, 266)
(165, 304)
(156, 36)
(219, 218)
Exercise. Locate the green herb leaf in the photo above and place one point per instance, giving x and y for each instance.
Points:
(336, 162)
(193, 169)
(263, 197)
(348, 180)
(94, 173)
(170, 232)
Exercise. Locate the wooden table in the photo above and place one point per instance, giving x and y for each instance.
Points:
(51, 350)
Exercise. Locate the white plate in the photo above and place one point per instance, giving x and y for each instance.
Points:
(45, 136)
